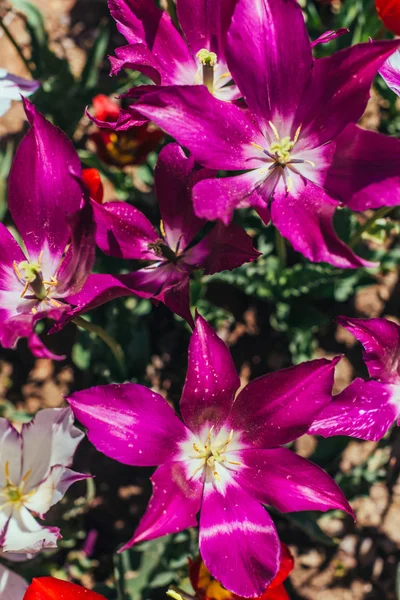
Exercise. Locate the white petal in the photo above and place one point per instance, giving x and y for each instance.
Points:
(12, 586)
(52, 489)
(24, 534)
(10, 453)
(5, 105)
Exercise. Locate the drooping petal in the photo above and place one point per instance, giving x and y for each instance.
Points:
(211, 379)
(173, 506)
(43, 188)
(136, 57)
(304, 216)
(12, 586)
(177, 297)
(224, 248)
(49, 588)
(280, 478)
(52, 489)
(339, 90)
(381, 341)
(261, 59)
(218, 134)
(40, 350)
(173, 182)
(24, 534)
(279, 407)
(129, 423)
(123, 231)
(364, 410)
(365, 170)
(141, 22)
(328, 36)
(238, 541)
(49, 440)
(390, 72)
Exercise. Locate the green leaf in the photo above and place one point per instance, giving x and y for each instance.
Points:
(91, 71)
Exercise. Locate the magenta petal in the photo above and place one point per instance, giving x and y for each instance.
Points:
(381, 341)
(177, 298)
(123, 231)
(304, 216)
(390, 72)
(339, 90)
(217, 133)
(364, 410)
(129, 423)
(44, 188)
(136, 57)
(365, 170)
(173, 506)
(328, 36)
(173, 179)
(279, 407)
(238, 541)
(38, 348)
(270, 64)
(290, 483)
(224, 248)
(211, 380)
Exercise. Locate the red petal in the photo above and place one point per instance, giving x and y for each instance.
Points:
(389, 12)
(287, 564)
(105, 109)
(92, 180)
(48, 588)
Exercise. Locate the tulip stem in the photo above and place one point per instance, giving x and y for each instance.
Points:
(9, 35)
(178, 594)
(106, 338)
(281, 249)
(379, 214)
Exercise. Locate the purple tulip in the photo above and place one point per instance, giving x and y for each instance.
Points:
(367, 409)
(224, 460)
(391, 72)
(57, 230)
(172, 255)
(298, 142)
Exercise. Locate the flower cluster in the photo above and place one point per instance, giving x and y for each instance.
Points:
(267, 126)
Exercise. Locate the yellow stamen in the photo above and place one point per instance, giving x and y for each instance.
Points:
(25, 289)
(289, 184)
(274, 129)
(26, 476)
(296, 135)
(34, 310)
(162, 228)
(310, 162)
(216, 475)
(257, 146)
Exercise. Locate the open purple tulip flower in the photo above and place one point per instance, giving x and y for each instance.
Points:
(367, 409)
(224, 460)
(158, 50)
(171, 254)
(390, 72)
(297, 142)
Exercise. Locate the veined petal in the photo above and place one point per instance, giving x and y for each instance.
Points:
(43, 188)
(129, 423)
(261, 53)
(12, 586)
(211, 379)
(339, 90)
(173, 506)
(52, 489)
(24, 534)
(50, 439)
(218, 134)
(279, 407)
(280, 478)
(390, 72)
(304, 216)
(238, 541)
(174, 176)
(381, 341)
(364, 410)
(365, 169)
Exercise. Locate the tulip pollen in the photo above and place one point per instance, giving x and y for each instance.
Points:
(212, 454)
(14, 494)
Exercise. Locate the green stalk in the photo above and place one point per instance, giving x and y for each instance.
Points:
(281, 249)
(17, 48)
(107, 339)
(379, 214)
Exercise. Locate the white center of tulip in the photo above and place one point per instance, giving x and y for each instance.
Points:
(12, 494)
(29, 273)
(212, 454)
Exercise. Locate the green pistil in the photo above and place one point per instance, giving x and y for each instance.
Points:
(281, 150)
(31, 270)
(208, 60)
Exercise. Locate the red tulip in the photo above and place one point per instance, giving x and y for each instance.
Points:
(92, 180)
(48, 588)
(389, 13)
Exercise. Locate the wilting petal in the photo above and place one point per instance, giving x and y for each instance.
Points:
(224, 248)
(218, 198)
(238, 541)
(173, 506)
(49, 440)
(123, 231)
(40, 350)
(49, 588)
(43, 188)
(365, 171)
(141, 22)
(390, 72)
(218, 134)
(173, 181)
(12, 586)
(339, 90)
(290, 483)
(177, 298)
(280, 407)
(261, 53)
(24, 534)
(136, 57)
(304, 216)
(52, 489)
(364, 410)
(211, 379)
(328, 36)
(129, 423)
